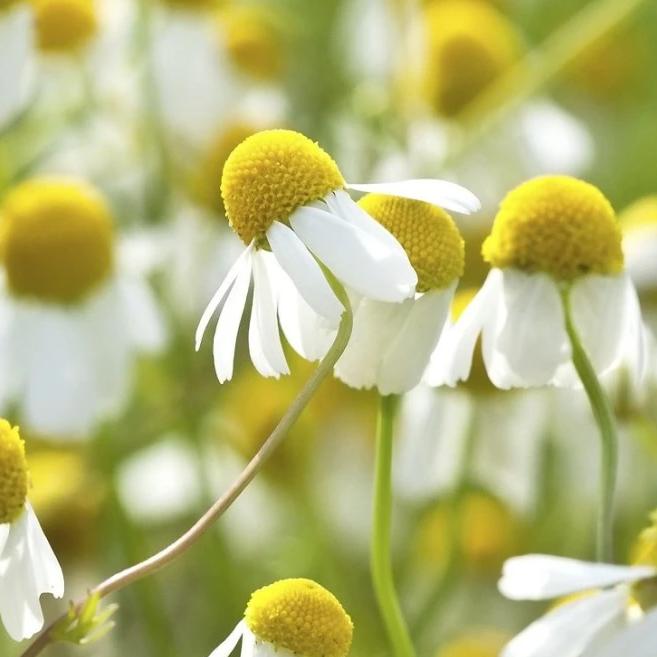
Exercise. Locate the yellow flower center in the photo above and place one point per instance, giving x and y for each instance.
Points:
(64, 25)
(484, 643)
(13, 473)
(57, 239)
(469, 43)
(271, 174)
(428, 234)
(301, 616)
(558, 225)
(641, 215)
(252, 41)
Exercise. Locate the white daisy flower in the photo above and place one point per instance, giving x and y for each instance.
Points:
(73, 317)
(391, 343)
(555, 246)
(584, 625)
(639, 223)
(28, 566)
(291, 617)
(286, 199)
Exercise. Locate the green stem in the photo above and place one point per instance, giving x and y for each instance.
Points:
(180, 546)
(380, 554)
(604, 418)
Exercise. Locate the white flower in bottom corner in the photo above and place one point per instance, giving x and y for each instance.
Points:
(28, 566)
(585, 624)
(291, 617)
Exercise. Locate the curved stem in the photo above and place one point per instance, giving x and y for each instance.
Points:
(165, 556)
(604, 418)
(380, 554)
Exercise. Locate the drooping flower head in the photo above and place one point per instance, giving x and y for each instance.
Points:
(294, 615)
(64, 26)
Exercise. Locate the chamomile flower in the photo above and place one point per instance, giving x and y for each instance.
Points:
(639, 223)
(391, 343)
(291, 617)
(555, 244)
(28, 566)
(74, 316)
(286, 199)
(586, 622)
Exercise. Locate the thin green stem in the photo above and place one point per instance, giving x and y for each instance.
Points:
(604, 418)
(176, 549)
(380, 553)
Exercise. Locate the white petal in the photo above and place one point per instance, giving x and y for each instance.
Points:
(356, 257)
(375, 326)
(532, 337)
(408, 354)
(220, 294)
(636, 339)
(228, 644)
(638, 640)
(570, 629)
(302, 268)
(248, 643)
(4, 535)
(48, 576)
(228, 325)
(452, 360)
(442, 193)
(542, 576)
(264, 337)
(146, 325)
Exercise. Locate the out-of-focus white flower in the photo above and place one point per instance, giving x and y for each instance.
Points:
(72, 324)
(291, 617)
(28, 566)
(555, 241)
(283, 191)
(583, 626)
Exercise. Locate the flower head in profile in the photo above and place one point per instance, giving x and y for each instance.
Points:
(64, 26)
(291, 616)
(639, 224)
(391, 342)
(287, 201)
(71, 320)
(555, 249)
(28, 566)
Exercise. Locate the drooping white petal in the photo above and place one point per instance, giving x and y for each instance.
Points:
(452, 359)
(637, 640)
(442, 193)
(248, 643)
(532, 337)
(636, 337)
(640, 247)
(302, 268)
(570, 629)
(220, 294)
(408, 354)
(375, 326)
(48, 576)
(542, 576)
(4, 535)
(264, 337)
(225, 336)
(226, 647)
(357, 258)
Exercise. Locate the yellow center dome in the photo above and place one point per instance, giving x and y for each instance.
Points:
(13, 473)
(64, 25)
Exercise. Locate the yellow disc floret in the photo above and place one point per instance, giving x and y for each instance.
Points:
(428, 234)
(57, 239)
(13, 473)
(469, 43)
(64, 25)
(301, 616)
(558, 225)
(271, 174)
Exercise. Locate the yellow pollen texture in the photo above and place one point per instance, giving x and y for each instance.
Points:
(13, 473)
(271, 174)
(64, 25)
(301, 616)
(469, 43)
(428, 234)
(558, 225)
(57, 239)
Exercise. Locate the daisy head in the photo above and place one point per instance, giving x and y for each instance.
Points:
(391, 342)
(64, 26)
(555, 251)
(291, 617)
(57, 240)
(639, 224)
(286, 199)
(469, 44)
(29, 567)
